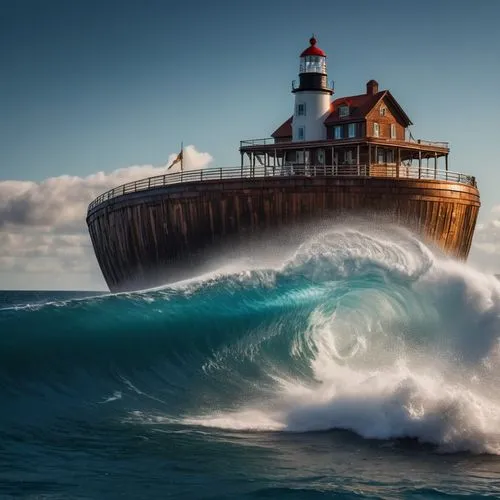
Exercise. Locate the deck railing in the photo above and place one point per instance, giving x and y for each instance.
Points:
(439, 144)
(258, 172)
(257, 142)
(411, 140)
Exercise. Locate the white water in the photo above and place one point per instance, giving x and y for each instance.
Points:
(408, 347)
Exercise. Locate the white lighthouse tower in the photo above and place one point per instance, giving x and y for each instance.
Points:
(312, 96)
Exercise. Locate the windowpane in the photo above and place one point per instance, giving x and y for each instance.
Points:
(351, 130)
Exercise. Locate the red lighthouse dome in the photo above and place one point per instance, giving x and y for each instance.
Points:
(312, 50)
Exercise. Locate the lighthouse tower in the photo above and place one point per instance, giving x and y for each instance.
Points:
(312, 96)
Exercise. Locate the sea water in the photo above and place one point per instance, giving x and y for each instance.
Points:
(361, 365)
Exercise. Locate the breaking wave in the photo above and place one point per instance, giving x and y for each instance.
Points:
(359, 330)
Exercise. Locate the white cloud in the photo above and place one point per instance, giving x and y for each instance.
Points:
(485, 251)
(42, 224)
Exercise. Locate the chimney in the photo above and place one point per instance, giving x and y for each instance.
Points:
(372, 87)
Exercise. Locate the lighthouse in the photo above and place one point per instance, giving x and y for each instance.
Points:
(312, 96)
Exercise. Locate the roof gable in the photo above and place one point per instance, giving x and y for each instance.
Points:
(361, 105)
(284, 130)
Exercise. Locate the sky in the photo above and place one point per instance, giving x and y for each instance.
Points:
(99, 92)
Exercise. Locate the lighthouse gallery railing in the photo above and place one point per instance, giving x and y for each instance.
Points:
(258, 172)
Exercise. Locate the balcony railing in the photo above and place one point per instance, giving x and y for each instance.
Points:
(439, 144)
(257, 142)
(258, 172)
(411, 140)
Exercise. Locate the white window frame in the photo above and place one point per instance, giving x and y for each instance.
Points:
(376, 129)
(301, 109)
(351, 130)
(301, 133)
(382, 110)
(343, 110)
(393, 131)
(337, 128)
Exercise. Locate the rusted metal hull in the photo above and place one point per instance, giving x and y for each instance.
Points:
(141, 239)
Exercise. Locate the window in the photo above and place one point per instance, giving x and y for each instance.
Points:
(389, 156)
(381, 156)
(351, 130)
(301, 134)
(348, 157)
(343, 111)
(300, 157)
(393, 131)
(337, 132)
(301, 109)
(321, 156)
(382, 110)
(376, 130)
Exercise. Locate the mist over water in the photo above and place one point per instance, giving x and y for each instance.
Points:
(358, 330)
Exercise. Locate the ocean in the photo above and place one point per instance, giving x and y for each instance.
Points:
(363, 365)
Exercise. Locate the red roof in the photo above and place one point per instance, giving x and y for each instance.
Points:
(312, 50)
(284, 130)
(359, 107)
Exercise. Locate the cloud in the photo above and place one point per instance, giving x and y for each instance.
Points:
(61, 202)
(42, 224)
(485, 251)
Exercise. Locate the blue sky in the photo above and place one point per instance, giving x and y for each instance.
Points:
(91, 86)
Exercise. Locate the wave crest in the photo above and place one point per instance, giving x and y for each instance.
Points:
(366, 330)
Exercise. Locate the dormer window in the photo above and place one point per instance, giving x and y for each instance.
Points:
(343, 111)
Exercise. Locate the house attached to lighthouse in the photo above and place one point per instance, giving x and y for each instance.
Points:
(364, 134)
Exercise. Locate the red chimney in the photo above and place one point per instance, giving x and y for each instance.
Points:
(372, 87)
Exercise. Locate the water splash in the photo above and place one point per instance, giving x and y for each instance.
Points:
(366, 330)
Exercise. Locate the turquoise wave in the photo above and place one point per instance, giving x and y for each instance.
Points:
(369, 331)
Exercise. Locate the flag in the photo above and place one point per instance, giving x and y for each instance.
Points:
(177, 160)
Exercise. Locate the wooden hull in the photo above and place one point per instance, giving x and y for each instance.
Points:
(140, 239)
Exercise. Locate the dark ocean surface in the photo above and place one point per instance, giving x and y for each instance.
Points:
(360, 366)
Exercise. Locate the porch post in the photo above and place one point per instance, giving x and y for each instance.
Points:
(398, 160)
(419, 163)
(446, 159)
(357, 154)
